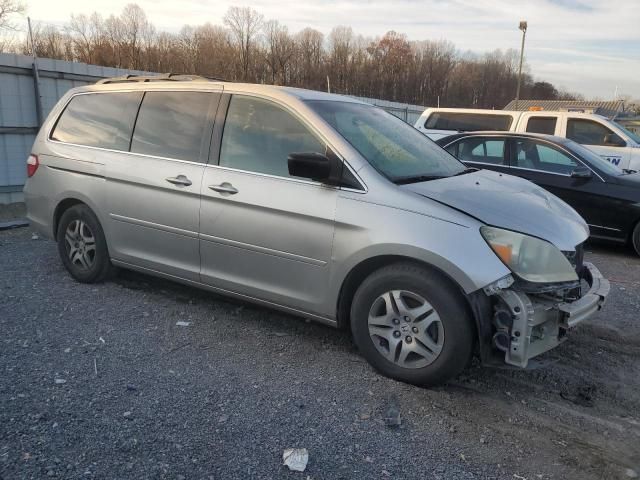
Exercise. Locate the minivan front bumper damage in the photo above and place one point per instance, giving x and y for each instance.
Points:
(527, 325)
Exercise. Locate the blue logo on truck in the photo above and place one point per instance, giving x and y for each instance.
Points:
(614, 160)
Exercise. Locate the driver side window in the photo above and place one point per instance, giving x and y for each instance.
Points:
(259, 136)
(533, 155)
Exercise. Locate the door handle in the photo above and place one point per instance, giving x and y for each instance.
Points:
(224, 188)
(180, 180)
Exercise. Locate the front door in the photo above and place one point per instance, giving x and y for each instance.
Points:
(263, 233)
(153, 193)
(550, 167)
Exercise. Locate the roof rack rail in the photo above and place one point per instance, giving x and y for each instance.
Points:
(165, 77)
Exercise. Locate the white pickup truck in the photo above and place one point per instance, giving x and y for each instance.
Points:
(607, 138)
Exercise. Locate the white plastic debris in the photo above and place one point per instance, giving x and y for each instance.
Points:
(34, 236)
(296, 459)
(60, 381)
(183, 324)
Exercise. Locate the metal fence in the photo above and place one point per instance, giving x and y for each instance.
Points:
(21, 99)
(404, 111)
(27, 95)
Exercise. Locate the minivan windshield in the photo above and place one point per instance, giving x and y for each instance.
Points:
(391, 146)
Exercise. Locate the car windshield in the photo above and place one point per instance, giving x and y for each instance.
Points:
(391, 146)
(634, 136)
(593, 158)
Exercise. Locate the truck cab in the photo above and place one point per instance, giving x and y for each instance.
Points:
(605, 137)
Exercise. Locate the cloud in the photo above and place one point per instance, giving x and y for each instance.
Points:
(583, 45)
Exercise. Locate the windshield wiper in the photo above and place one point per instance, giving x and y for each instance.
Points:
(426, 178)
(466, 170)
(416, 179)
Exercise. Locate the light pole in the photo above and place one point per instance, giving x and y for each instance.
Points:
(523, 27)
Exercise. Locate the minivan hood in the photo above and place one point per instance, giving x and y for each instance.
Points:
(509, 202)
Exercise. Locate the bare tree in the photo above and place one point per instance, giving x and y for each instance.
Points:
(244, 24)
(310, 59)
(247, 48)
(280, 49)
(135, 27)
(83, 37)
(9, 8)
(48, 42)
(340, 50)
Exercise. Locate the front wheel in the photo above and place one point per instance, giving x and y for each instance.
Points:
(82, 245)
(411, 324)
(635, 238)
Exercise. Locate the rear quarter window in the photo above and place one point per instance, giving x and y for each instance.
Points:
(102, 120)
(468, 122)
(545, 125)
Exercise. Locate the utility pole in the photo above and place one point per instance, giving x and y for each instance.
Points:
(36, 76)
(523, 27)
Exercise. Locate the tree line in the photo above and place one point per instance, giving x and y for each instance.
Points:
(247, 47)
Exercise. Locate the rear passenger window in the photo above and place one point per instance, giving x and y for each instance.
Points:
(468, 122)
(259, 136)
(102, 120)
(482, 150)
(545, 125)
(173, 125)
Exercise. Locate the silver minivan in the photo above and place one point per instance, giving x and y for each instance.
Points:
(318, 205)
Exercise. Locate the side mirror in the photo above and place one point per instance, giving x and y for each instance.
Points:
(614, 140)
(315, 166)
(581, 172)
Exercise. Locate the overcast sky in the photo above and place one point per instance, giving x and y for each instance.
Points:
(587, 46)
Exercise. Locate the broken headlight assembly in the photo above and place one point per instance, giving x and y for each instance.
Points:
(530, 258)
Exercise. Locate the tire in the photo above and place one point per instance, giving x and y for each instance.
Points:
(635, 238)
(82, 245)
(426, 339)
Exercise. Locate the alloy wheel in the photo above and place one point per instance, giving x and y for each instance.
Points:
(406, 329)
(80, 244)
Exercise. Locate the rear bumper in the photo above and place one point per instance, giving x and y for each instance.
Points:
(527, 325)
(39, 210)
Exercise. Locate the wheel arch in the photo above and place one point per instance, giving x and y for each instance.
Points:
(67, 200)
(62, 207)
(631, 240)
(366, 267)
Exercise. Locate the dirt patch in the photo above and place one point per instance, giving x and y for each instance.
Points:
(12, 211)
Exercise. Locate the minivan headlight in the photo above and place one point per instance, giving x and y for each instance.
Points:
(530, 258)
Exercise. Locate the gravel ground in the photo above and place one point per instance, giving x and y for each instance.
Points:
(12, 211)
(99, 381)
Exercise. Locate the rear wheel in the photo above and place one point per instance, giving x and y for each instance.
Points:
(82, 246)
(635, 238)
(411, 324)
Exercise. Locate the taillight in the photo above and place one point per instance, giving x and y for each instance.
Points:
(32, 165)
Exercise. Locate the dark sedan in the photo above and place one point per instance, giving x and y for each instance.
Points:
(606, 197)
